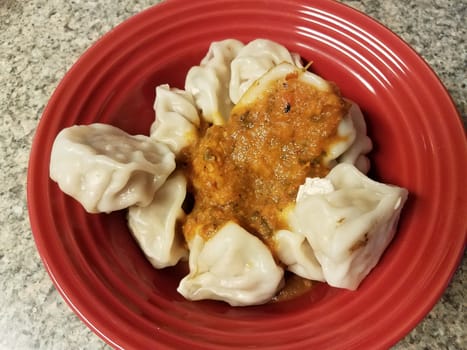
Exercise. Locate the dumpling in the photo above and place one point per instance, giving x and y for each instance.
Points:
(106, 169)
(254, 60)
(350, 226)
(356, 153)
(233, 266)
(177, 118)
(209, 82)
(346, 134)
(278, 72)
(295, 252)
(154, 226)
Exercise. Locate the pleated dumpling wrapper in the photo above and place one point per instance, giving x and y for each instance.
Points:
(295, 252)
(177, 120)
(356, 153)
(106, 169)
(254, 60)
(209, 82)
(154, 226)
(349, 220)
(232, 266)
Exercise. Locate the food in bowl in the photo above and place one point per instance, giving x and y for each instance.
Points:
(257, 167)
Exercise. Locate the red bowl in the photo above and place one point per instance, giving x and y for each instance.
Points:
(419, 144)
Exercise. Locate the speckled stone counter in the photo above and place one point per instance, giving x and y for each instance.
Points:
(41, 39)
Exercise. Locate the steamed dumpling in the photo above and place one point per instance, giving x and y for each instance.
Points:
(295, 252)
(254, 60)
(348, 224)
(346, 134)
(356, 153)
(233, 266)
(106, 169)
(154, 226)
(177, 118)
(209, 81)
(278, 72)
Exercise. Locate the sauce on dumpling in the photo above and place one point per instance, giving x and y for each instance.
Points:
(249, 170)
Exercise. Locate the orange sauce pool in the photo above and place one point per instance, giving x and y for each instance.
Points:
(249, 170)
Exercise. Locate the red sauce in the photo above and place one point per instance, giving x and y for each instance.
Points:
(249, 170)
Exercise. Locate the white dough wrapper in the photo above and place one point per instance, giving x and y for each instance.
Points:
(209, 82)
(295, 252)
(232, 266)
(107, 169)
(350, 226)
(177, 120)
(346, 133)
(356, 153)
(154, 226)
(254, 60)
(278, 72)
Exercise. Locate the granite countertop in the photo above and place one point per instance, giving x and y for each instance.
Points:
(41, 39)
